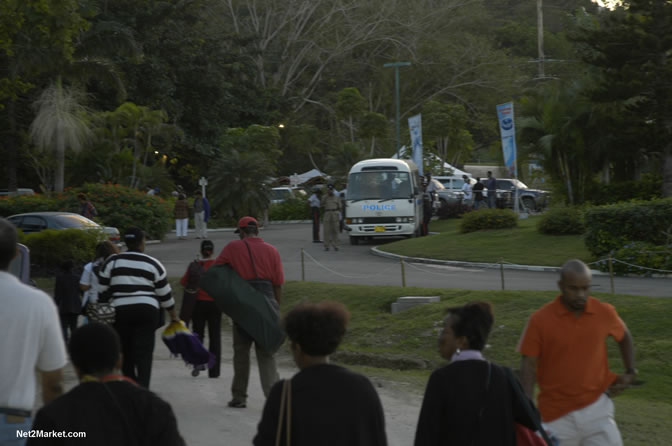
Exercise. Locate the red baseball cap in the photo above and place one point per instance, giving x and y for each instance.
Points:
(246, 222)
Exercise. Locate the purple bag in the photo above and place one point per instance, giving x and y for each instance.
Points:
(182, 342)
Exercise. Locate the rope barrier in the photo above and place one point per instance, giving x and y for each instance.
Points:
(326, 268)
(641, 267)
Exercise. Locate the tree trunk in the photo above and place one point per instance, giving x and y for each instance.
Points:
(59, 174)
(373, 146)
(12, 148)
(667, 171)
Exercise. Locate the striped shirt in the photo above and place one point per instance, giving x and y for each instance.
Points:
(135, 278)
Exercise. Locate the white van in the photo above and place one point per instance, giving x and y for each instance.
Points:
(383, 199)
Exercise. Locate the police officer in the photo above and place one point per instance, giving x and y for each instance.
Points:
(332, 206)
(314, 203)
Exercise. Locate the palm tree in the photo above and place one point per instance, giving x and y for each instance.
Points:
(60, 124)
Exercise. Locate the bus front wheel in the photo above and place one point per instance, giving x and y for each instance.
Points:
(354, 240)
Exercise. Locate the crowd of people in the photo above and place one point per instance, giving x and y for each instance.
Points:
(470, 401)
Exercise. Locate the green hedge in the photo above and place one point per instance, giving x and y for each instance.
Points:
(641, 254)
(292, 209)
(648, 187)
(51, 247)
(561, 221)
(612, 227)
(117, 206)
(488, 219)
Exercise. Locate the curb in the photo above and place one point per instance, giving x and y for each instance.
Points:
(554, 269)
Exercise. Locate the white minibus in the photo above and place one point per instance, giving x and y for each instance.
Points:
(383, 199)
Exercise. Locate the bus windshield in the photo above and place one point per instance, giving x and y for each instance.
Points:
(377, 185)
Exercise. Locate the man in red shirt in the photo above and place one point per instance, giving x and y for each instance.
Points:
(564, 350)
(204, 310)
(259, 263)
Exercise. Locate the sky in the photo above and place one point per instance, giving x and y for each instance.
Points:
(608, 3)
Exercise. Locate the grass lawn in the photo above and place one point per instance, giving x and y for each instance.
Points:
(521, 245)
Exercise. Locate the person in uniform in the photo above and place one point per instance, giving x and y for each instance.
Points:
(314, 203)
(332, 207)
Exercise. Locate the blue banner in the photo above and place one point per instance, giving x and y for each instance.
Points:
(507, 130)
(415, 127)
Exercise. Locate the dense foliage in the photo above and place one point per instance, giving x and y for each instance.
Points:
(612, 227)
(654, 259)
(561, 221)
(488, 219)
(51, 247)
(292, 209)
(117, 206)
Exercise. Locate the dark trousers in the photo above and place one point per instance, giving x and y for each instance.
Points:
(206, 312)
(68, 324)
(136, 325)
(315, 213)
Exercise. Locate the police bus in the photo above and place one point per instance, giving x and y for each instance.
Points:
(383, 199)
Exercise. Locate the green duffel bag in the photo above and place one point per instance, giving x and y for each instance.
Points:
(256, 312)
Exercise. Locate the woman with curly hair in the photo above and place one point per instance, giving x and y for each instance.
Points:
(323, 404)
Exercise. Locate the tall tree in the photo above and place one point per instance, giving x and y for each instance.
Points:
(631, 48)
(60, 124)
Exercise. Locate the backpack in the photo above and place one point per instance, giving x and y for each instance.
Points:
(194, 273)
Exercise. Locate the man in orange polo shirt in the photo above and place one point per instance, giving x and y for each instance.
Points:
(259, 263)
(564, 350)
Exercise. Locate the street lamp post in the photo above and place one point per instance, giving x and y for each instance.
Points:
(396, 66)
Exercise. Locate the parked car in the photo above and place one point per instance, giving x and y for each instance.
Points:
(18, 191)
(532, 199)
(284, 193)
(38, 221)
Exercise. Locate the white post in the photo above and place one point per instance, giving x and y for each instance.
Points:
(203, 182)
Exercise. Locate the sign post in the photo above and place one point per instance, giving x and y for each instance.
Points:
(203, 182)
(396, 66)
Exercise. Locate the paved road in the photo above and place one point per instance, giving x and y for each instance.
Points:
(355, 264)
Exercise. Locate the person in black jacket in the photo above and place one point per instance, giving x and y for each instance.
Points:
(330, 405)
(67, 298)
(109, 408)
(471, 401)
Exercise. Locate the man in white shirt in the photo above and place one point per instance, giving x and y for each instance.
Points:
(31, 339)
(466, 189)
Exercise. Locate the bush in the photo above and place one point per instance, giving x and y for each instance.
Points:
(612, 227)
(122, 206)
(561, 221)
(643, 254)
(292, 209)
(117, 206)
(649, 187)
(488, 219)
(49, 248)
(19, 204)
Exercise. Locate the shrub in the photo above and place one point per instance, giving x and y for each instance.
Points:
(561, 221)
(611, 227)
(292, 209)
(489, 219)
(117, 206)
(122, 206)
(642, 254)
(649, 187)
(49, 248)
(20, 204)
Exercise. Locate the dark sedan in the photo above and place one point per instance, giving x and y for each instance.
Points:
(39, 221)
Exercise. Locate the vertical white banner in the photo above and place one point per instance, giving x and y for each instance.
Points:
(507, 130)
(415, 127)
